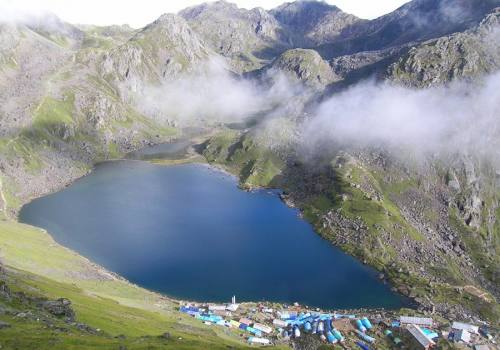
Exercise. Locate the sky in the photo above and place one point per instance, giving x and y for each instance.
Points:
(138, 13)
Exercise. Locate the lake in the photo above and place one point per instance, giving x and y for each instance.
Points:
(189, 232)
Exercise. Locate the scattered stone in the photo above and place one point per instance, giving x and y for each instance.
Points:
(60, 307)
(166, 335)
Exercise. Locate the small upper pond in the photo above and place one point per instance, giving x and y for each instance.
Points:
(188, 231)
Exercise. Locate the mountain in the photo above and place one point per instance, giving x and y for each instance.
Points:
(105, 36)
(313, 23)
(415, 21)
(56, 30)
(246, 37)
(161, 50)
(74, 95)
(304, 65)
(461, 55)
(23, 75)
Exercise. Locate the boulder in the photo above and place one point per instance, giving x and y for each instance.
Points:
(60, 308)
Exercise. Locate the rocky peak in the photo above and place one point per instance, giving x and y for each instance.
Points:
(302, 13)
(304, 65)
(53, 28)
(462, 55)
(416, 21)
(167, 24)
(313, 22)
(491, 20)
(160, 51)
(247, 37)
(171, 33)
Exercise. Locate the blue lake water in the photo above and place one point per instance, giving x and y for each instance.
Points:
(188, 231)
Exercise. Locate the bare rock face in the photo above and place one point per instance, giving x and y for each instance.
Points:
(414, 22)
(23, 74)
(245, 36)
(160, 51)
(365, 63)
(306, 66)
(313, 23)
(458, 56)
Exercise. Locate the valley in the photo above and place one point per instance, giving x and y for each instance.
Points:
(381, 134)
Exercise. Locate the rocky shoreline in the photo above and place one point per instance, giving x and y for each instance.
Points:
(422, 306)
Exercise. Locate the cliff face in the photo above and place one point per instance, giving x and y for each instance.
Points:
(247, 37)
(305, 66)
(463, 55)
(313, 23)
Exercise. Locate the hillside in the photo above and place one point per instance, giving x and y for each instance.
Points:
(426, 218)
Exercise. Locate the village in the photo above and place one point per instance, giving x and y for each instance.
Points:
(266, 324)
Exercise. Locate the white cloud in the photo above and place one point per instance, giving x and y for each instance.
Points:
(460, 118)
(212, 94)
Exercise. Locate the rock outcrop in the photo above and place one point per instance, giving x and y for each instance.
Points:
(246, 37)
(458, 56)
(313, 23)
(304, 65)
(160, 51)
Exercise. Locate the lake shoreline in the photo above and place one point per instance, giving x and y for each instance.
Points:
(191, 156)
(235, 180)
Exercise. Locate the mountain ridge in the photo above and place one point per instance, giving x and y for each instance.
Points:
(422, 222)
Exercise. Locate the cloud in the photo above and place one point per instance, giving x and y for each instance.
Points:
(213, 94)
(460, 118)
(18, 12)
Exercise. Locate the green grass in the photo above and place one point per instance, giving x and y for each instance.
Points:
(475, 244)
(255, 165)
(361, 194)
(28, 333)
(22, 147)
(113, 152)
(39, 266)
(53, 119)
(52, 111)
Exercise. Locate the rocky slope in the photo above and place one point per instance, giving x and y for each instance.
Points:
(458, 56)
(413, 22)
(431, 227)
(58, 114)
(246, 37)
(304, 65)
(313, 23)
(162, 50)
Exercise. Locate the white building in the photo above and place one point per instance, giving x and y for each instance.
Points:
(419, 321)
(465, 326)
(263, 328)
(280, 323)
(217, 307)
(256, 340)
(420, 339)
(462, 335)
(481, 347)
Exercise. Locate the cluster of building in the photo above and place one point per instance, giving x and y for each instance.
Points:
(265, 325)
(423, 337)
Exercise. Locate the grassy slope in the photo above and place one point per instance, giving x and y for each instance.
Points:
(255, 166)
(38, 267)
(238, 154)
(99, 300)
